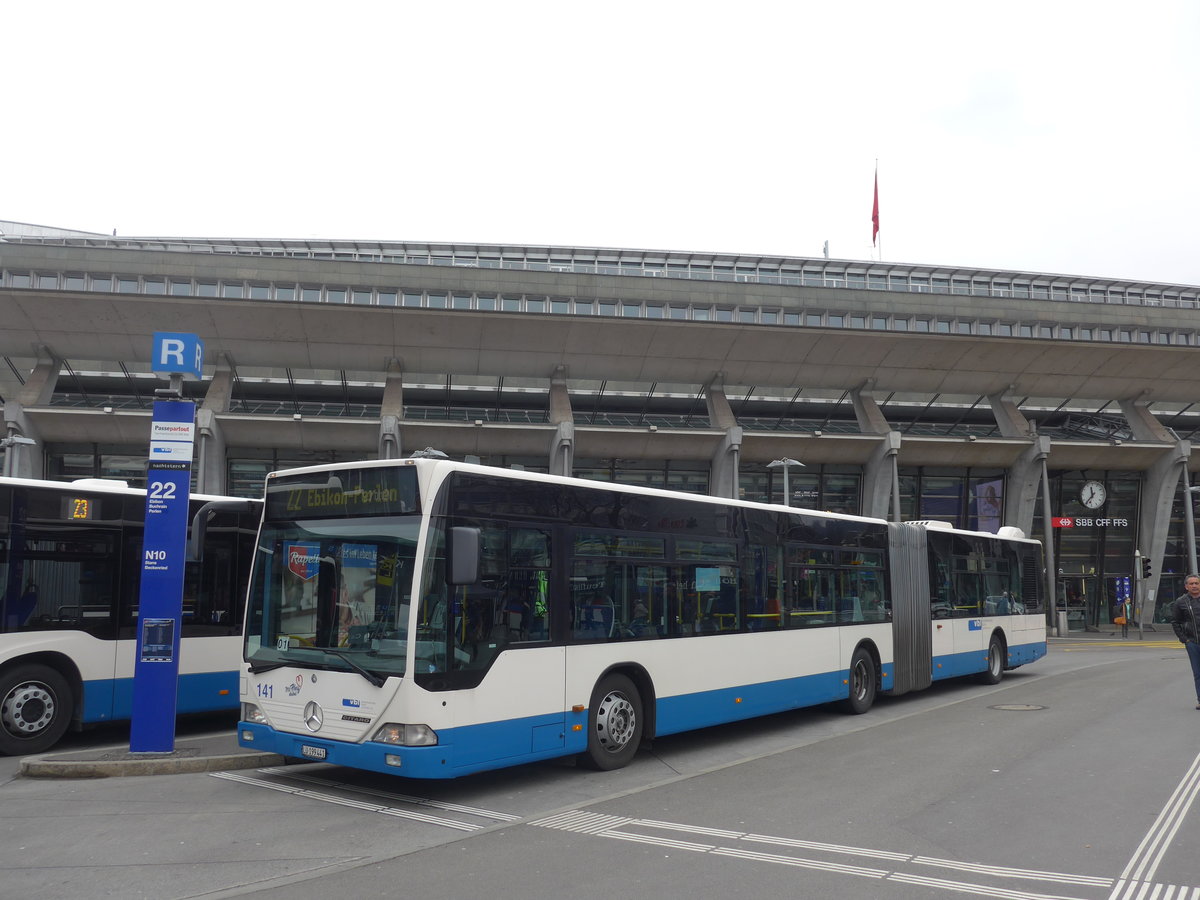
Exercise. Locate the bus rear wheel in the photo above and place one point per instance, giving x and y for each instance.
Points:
(615, 724)
(35, 709)
(995, 662)
(863, 682)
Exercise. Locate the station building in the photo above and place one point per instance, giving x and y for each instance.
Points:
(1063, 405)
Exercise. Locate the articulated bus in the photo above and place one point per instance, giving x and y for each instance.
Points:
(431, 619)
(70, 577)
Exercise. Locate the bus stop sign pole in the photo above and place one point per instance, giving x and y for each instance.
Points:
(160, 601)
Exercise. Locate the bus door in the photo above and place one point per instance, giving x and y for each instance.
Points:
(493, 640)
(941, 604)
(970, 592)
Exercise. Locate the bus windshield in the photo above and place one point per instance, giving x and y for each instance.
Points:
(333, 594)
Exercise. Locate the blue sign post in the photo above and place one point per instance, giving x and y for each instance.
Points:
(160, 603)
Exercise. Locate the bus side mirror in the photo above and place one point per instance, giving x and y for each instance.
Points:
(199, 529)
(463, 554)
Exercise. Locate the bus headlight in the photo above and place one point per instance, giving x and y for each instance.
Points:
(251, 713)
(406, 735)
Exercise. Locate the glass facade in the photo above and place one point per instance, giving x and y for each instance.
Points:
(971, 498)
(1095, 554)
(830, 488)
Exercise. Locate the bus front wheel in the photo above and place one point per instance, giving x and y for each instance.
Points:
(862, 682)
(615, 724)
(35, 709)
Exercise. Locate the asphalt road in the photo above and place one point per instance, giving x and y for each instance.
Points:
(1073, 778)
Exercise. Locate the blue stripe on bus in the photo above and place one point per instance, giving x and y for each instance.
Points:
(108, 700)
(955, 665)
(492, 745)
(688, 711)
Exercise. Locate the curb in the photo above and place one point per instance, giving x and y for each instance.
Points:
(127, 764)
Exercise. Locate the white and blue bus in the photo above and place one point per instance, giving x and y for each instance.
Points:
(430, 618)
(70, 576)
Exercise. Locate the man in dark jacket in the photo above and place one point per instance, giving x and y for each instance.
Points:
(1185, 612)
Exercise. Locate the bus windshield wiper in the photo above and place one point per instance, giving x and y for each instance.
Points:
(353, 664)
(267, 667)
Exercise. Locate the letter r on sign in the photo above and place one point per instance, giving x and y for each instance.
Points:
(177, 354)
(172, 354)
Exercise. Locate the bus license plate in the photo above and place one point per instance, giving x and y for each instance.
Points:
(312, 752)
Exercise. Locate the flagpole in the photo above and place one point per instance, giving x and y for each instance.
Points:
(875, 239)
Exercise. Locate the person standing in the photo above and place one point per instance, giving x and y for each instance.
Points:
(1185, 612)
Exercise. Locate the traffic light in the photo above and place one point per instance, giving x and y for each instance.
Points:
(1146, 568)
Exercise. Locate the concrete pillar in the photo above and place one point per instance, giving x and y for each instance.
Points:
(1159, 485)
(39, 386)
(391, 411)
(562, 444)
(212, 476)
(219, 394)
(562, 450)
(1011, 421)
(879, 479)
(24, 453)
(1021, 485)
(881, 486)
(1143, 424)
(871, 419)
(723, 468)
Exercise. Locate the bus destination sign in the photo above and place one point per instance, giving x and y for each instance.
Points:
(350, 492)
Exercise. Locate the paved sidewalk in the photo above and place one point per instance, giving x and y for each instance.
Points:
(213, 753)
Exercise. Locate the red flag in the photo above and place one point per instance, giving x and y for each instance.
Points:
(875, 212)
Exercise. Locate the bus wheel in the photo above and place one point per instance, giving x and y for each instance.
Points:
(614, 724)
(35, 709)
(995, 662)
(862, 682)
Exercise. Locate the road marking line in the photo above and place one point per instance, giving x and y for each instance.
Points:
(830, 848)
(967, 887)
(1009, 872)
(801, 863)
(405, 798)
(344, 801)
(619, 828)
(583, 822)
(1155, 844)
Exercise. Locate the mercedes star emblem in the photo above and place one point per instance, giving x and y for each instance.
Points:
(312, 716)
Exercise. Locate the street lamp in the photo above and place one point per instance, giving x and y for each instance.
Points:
(787, 462)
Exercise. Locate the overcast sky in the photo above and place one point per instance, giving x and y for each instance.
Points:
(1051, 136)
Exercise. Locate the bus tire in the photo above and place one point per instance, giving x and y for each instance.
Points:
(863, 682)
(995, 662)
(36, 706)
(615, 724)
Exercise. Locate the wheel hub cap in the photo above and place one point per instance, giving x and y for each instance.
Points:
(615, 721)
(27, 709)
